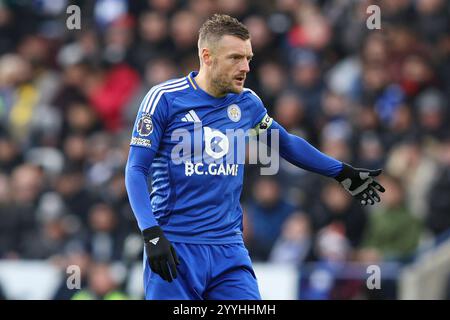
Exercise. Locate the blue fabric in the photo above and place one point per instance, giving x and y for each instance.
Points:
(299, 152)
(136, 175)
(206, 272)
(196, 200)
(200, 205)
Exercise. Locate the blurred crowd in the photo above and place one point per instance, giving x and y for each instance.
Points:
(372, 98)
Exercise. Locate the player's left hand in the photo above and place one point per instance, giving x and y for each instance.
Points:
(162, 257)
(360, 183)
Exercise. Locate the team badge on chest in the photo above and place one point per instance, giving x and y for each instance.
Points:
(234, 113)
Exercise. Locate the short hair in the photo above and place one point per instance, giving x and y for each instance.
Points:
(220, 25)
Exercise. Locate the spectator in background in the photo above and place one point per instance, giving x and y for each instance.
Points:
(18, 94)
(432, 21)
(101, 285)
(236, 8)
(6, 30)
(50, 239)
(370, 151)
(417, 75)
(108, 93)
(18, 215)
(85, 49)
(166, 7)
(415, 168)
(183, 30)
(101, 164)
(375, 50)
(202, 8)
(366, 119)
(75, 256)
(104, 238)
(432, 115)
(110, 88)
(266, 212)
(306, 80)
(10, 154)
(272, 80)
(393, 233)
(71, 186)
(4, 189)
(335, 207)
(115, 194)
(153, 40)
(334, 107)
(326, 278)
(438, 218)
(373, 85)
(81, 119)
(334, 140)
(295, 182)
(71, 90)
(294, 244)
(75, 150)
(400, 128)
(156, 70)
(260, 33)
(290, 112)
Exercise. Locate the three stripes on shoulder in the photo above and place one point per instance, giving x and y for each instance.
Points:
(154, 95)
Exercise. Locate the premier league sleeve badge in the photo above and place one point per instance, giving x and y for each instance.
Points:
(145, 125)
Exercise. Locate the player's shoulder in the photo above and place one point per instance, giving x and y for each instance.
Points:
(248, 93)
(171, 87)
(165, 91)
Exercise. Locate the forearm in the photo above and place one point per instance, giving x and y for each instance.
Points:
(161, 255)
(299, 152)
(136, 175)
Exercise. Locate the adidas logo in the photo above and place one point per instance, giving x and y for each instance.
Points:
(154, 241)
(191, 116)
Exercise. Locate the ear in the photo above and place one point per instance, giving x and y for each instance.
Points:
(205, 53)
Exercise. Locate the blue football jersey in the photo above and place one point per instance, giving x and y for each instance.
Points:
(196, 184)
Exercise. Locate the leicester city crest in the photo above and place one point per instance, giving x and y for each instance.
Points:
(234, 113)
(145, 125)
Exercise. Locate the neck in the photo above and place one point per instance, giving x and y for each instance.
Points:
(203, 80)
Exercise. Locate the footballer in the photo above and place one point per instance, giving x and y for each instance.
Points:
(191, 222)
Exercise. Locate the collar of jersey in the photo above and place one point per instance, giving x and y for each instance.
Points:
(203, 93)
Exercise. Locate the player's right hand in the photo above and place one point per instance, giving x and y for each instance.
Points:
(161, 254)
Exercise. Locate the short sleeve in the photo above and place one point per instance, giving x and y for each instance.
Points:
(261, 120)
(150, 122)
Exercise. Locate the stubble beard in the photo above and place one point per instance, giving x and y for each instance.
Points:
(222, 85)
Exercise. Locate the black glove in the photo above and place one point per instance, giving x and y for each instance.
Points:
(160, 253)
(360, 184)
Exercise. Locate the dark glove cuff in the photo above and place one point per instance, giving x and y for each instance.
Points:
(152, 232)
(346, 172)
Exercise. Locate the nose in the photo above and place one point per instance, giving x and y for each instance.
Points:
(245, 66)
